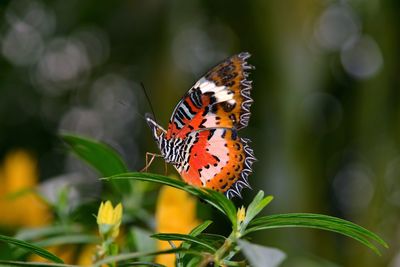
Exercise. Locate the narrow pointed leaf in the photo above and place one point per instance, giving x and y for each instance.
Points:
(200, 228)
(318, 221)
(6, 263)
(195, 232)
(227, 205)
(31, 248)
(256, 206)
(100, 156)
(182, 237)
(214, 240)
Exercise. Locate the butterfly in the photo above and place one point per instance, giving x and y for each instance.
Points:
(201, 141)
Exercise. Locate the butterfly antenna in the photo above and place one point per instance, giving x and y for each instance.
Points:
(148, 100)
(122, 103)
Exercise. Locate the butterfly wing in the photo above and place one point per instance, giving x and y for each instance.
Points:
(217, 159)
(221, 98)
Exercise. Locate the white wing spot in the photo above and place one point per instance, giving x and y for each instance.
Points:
(221, 93)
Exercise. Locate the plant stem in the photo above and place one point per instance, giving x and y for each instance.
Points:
(226, 247)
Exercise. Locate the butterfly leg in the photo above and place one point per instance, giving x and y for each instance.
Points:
(152, 156)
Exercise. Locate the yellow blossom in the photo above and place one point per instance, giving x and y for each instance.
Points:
(175, 213)
(109, 219)
(19, 205)
(241, 214)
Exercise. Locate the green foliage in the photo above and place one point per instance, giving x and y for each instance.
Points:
(251, 223)
(100, 156)
(255, 207)
(5, 263)
(198, 248)
(317, 221)
(31, 248)
(186, 238)
(200, 228)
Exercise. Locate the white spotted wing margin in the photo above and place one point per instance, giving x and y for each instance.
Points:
(245, 91)
(243, 182)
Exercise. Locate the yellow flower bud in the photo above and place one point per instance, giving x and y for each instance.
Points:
(241, 214)
(109, 219)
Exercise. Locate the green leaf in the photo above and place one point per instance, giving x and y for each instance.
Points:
(256, 206)
(100, 156)
(212, 237)
(227, 205)
(194, 262)
(141, 264)
(261, 256)
(182, 237)
(5, 263)
(318, 221)
(200, 228)
(68, 239)
(214, 240)
(31, 248)
(195, 232)
(218, 200)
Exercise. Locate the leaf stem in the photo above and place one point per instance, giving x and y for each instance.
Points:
(220, 254)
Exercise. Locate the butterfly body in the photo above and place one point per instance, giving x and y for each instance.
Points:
(202, 141)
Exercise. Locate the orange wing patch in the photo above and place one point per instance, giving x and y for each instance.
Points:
(233, 74)
(218, 159)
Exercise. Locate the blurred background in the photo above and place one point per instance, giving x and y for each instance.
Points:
(325, 123)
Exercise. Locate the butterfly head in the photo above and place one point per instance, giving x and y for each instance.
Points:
(157, 131)
(170, 148)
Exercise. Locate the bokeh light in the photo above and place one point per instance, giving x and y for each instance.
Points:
(337, 26)
(362, 59)
(354, 188)
(22, 44)
(63, 66)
